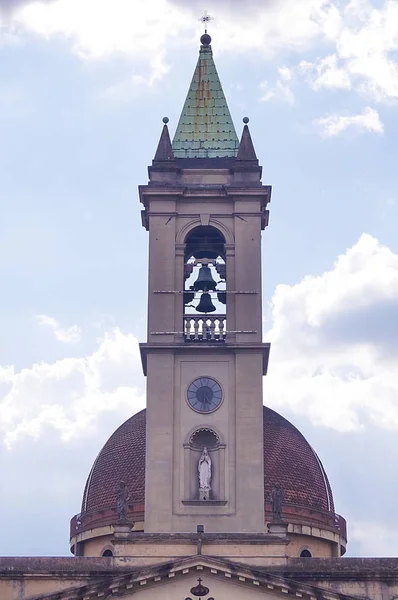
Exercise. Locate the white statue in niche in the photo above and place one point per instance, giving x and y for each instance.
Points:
(204, 471)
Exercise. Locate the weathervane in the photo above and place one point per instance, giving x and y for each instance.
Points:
(206, 19)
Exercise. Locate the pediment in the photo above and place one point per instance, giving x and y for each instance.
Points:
(174, 580)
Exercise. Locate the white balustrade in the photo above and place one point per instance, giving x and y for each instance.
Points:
(205, 328)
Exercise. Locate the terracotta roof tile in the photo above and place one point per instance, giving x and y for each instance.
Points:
(290, 461)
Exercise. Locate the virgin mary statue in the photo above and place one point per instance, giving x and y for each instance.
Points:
(204, 471)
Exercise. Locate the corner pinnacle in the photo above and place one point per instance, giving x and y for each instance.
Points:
(164, 150)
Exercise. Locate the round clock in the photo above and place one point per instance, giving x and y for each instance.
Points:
(204, 395)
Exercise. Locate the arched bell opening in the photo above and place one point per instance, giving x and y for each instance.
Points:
(205, 283)
(204, 241)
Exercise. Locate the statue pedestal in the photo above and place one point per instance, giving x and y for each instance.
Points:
(122, 529)
(204, 502)
(204, 493)
(278, 528)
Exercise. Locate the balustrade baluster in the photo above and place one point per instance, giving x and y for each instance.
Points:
(206, 331)
(204, 328)
(217, 329)
(212, 328)
(221, 324)
(196, 328)
(188, 327)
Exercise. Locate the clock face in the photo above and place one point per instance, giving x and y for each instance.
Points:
(204, 395)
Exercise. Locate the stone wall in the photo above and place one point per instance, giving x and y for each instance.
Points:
(24, 578)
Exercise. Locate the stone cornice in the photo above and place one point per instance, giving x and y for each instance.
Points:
(145, 348)
(264, 580)
(203, 191)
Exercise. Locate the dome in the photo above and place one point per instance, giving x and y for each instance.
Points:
(121, 459)
(288, 461)
(291, 462)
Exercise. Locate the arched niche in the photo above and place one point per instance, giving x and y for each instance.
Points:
(189, 438)
(195, 442)
(204, 438)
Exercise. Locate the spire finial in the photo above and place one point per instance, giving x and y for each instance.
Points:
(206, 18)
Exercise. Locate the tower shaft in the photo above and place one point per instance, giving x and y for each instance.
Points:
(204, 209)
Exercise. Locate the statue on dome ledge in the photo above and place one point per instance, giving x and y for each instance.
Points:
(122, 501)
(277, 498)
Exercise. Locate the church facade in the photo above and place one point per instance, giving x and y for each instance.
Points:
(206, 493)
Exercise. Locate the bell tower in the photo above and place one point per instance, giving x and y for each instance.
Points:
(204, 209)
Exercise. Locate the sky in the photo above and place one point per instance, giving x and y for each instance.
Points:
(84, 85)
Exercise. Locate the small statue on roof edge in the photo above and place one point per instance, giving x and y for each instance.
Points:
(277, 498)
(122, 501)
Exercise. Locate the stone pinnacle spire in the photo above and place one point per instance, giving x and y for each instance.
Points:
(205, 128)
(164, 150)
(246, 149)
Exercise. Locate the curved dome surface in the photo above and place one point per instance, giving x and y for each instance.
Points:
(288, 460)
(291, 462)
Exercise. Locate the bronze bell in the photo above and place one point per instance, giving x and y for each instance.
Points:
(205, 280)
(205, 304)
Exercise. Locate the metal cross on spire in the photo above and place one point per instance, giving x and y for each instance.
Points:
(206, 19)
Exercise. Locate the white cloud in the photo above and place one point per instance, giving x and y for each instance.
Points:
(334, 124)
(366, 42)
(326, 73)
(69, 395)
(363, 36)
(98, 28)
(54, 419)
(368, 47)
(335, 342)
(123, 91)
(67, 336)
(282, 89)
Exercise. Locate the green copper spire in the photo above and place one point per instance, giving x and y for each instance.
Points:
(205, 128)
